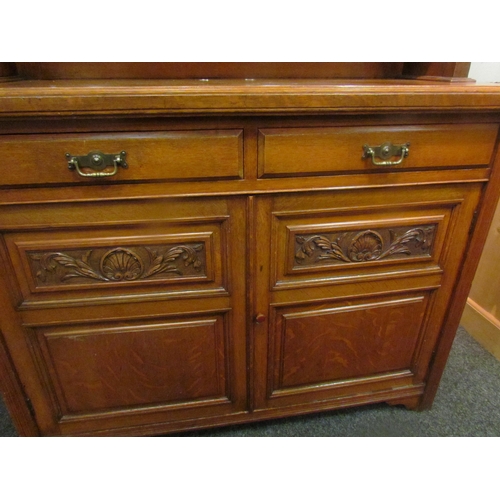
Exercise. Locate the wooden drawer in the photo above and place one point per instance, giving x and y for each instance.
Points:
(349, 237)
(131, 250)
(150, 156)
(334, 150)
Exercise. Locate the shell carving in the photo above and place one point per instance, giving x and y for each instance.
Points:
(117, 264)
(366, 246)
(121, 264)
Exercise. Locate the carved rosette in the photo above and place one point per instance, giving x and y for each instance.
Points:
(118, 264)
(365, 246)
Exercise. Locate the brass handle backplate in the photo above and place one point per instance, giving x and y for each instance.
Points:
(97, 162)
(386, 151)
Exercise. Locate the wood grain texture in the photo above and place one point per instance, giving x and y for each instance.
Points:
(106, 367)
(437, 69)
(7, 70)
(478, 235)
(174, 97)
(485, 291)
(319, 345)
(50, 71)
(122, 256)
(340, 218)
(119, 347)
(310, 151)
(170, 156)
(14, 397)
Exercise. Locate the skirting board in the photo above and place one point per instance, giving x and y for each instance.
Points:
(483, 326)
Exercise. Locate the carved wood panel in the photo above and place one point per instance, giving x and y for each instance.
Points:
(118, 264)
(324, 248)
(311, 246)
(364, 246)
(72, 266)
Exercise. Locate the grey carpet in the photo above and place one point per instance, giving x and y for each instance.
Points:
(467, 404)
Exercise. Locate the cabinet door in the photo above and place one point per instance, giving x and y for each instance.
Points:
(129, 315)
(351, 291)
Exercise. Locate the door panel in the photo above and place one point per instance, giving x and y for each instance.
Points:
(98, 368)
(161, 345)
(314, 345)
(352, 289)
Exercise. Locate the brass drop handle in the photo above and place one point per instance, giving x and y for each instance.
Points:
(97, 162)
(260, 318)
(386, 151)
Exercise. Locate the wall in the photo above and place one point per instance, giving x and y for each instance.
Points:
(481, 317)
(485, 72)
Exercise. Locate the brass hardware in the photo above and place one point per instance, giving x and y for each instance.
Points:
(98, 162)
(386, 151)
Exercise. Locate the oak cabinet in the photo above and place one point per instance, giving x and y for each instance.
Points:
(163, 272)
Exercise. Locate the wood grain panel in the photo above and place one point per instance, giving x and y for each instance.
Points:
(51, 70)
(368, 245)
(176, 155)
(323, 344)
(137, 98)
(312, 248)
(80, 266)
(104, 367)
(132, 250)
(316, 151)
(287, 295)
(14, 396)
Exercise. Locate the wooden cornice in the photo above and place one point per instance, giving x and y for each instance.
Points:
(171, 97)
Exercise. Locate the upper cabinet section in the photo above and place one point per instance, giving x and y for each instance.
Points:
(171, 89)
(161, 70)
(178, 70)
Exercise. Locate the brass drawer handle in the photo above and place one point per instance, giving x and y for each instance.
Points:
(386, 151)
(97, 161)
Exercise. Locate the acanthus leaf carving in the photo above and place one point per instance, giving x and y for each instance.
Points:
(118, 264)
(365, 246)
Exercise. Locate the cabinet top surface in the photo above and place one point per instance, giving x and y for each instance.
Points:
(41, 97)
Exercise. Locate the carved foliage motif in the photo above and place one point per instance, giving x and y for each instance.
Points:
(118, 264)
(364, 246)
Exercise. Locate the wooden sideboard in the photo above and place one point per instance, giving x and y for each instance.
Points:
(187, 253)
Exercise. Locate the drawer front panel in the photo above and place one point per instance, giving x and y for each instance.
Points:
(112, 264)
(322, 151)
(119, 251)
(313, 249)
(356, 248)
(179, 155)
(109, 367)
